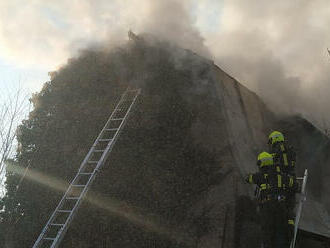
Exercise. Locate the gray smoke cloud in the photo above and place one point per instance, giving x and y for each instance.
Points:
(171, 20)
(277, 49)
(46, 33)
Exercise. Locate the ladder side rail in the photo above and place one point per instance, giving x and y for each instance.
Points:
(54, 214)
(101, 133)
(111, 144)
(40, 237)
(301, 200)
(63, 230)
(108, 149)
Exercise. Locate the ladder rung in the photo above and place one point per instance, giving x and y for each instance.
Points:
(105, 139)
(78, 185)
(85, 173)
(110, 129)
(56, 224)
(64, 211)
(133, 90)
(72, 198)
(117, 119)
(92, 162)
(49, 238)
(98, 150)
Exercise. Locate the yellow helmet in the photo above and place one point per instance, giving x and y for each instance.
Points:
(265, 159)
(275, 136)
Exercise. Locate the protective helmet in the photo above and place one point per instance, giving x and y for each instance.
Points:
(275, 136)
(265, 159)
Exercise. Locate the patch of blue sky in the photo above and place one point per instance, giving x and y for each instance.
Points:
(54, 17)
(13, 76)
(207, 14)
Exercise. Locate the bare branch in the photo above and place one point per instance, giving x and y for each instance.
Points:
(13, 105)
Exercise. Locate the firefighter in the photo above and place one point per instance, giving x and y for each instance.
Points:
(284, 155)
(274, 187)
(285, 161)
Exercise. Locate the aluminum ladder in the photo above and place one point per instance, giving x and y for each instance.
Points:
(59, 222)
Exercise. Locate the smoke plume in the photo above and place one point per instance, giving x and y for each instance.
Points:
(278, 49)
(46, 34)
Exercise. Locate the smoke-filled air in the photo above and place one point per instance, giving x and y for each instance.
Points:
(166, 123)
(278, 48)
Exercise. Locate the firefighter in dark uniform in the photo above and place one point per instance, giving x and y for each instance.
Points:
(285, 160)
(284, 154)
(274, 188)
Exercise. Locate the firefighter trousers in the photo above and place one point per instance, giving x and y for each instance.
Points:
(274, 224)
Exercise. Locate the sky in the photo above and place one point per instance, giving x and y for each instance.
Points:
(275, 48)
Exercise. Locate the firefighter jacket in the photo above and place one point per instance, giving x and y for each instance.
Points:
(273, 185)
(284, 156)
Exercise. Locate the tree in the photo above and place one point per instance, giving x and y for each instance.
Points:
(158, 166)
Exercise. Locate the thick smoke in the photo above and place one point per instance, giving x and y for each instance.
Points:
(278, 49)
(46, 34)
(170, 20)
